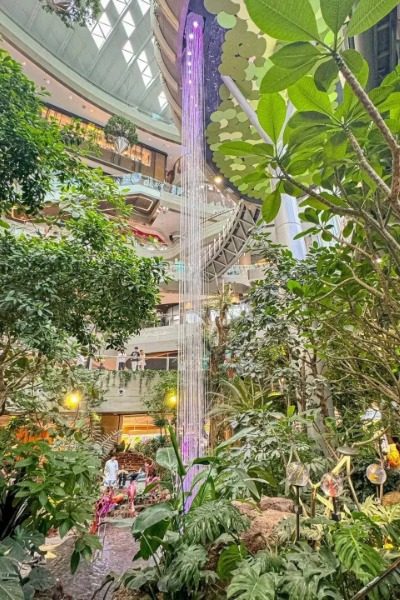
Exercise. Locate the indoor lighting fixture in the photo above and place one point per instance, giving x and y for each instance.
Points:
(218, 179)
(73, 399)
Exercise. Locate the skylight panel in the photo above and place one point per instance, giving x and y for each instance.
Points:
(143, 61)
(162, 100)
(128, 23)
(147, 77)
(144, 6)
(127, 51)
(120, 5)
(101, 30)
(144, 68)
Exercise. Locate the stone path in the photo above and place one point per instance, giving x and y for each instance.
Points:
(119, 548)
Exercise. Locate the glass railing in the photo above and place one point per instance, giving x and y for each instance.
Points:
(118, 363)
(154, 184)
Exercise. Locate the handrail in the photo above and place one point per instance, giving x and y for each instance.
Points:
(151, 182)
(372, 584)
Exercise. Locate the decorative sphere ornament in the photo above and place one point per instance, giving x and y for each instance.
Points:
(332, 485)
(297, 474)
(376, 474)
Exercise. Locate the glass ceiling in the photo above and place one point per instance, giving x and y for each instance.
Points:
(115, 53)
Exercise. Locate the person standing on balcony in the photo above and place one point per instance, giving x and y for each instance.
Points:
(121, 360)
(135, 356)
(142, 360)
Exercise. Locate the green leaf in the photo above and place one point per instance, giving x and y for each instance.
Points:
(43, 498)
(355, 552)
(278, 78)
(335, 12)
(325, 75)
(368, 13)
(11, 590)
(291, 20)
(245, 149)
(181, 468)
(41, 579)
(271, 114)
(306, 97)
(75, 560)
(295, 55)
(229, 559)
(356, 63)
(166, 458)
(151, 516)
(295, 287)
(271, 206)
(249, 584)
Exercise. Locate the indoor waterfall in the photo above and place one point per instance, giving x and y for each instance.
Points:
(191, 412)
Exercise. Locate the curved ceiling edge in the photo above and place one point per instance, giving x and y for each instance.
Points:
(34, 51)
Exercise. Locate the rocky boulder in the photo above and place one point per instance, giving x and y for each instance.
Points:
(264, 520)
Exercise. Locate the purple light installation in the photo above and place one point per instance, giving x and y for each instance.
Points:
(191, 414)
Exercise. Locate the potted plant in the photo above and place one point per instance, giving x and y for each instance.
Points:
(121, 132)
(73, 11)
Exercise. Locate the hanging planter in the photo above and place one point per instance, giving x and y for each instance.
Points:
(72, 12)
(121, 132)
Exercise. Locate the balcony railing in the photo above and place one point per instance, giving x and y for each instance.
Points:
(116, 363)
(150, 182)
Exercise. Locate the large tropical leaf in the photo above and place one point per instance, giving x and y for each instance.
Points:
(271, 205)
(11, 590)
(368, 13)
(279, 78)
(185, 570)
(249, 584)
(238, 148)
(151, 516)
(291, 20)
(229, 559)
(271, 114)
(306, 97)
(355, 552)
(10, 586)
(335, 12)
(207, 522)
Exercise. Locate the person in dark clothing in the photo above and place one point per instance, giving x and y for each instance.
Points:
(135, 357)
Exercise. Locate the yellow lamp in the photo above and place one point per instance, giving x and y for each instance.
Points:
(73, 399)
(171, 399)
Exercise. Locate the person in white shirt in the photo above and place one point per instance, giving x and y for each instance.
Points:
(121, 360)
(142, 360)
(111, 469)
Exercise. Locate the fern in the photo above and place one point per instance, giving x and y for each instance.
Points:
(352, 546)
(105, 443)
(248, 583)
(387, 517)
(205, 523)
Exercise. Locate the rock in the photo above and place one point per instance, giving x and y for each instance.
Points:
(263, 530)
(264, 521)
(391, 498)
(279, 504)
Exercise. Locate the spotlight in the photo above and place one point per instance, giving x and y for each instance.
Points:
(195, 24)
(218, 179)
(191, 36)
(73, 399)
